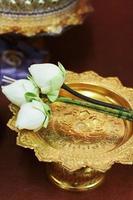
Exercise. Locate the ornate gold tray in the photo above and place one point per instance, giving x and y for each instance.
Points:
(104, 139)
(36, 17)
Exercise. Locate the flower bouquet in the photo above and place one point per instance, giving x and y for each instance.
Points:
(80, 124)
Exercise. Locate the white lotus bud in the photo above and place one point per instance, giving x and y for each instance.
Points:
(49, 78)
(15, 91)
(32, 116)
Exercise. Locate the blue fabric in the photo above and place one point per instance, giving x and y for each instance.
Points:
(17, 54)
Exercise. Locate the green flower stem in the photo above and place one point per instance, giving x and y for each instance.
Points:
(127, 115)
(91, 100)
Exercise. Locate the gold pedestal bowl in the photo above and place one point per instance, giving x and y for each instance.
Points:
(81, 144)
(33, 17)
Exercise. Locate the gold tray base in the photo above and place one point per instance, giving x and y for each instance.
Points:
(80, 180)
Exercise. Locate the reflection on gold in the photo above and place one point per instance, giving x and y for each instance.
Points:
(79, 180)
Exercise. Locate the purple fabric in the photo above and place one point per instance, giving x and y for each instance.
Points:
(17, 54)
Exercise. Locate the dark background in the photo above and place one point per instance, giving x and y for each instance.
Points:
(103, 44)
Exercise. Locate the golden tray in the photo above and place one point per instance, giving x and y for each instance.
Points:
(80, 164)
(34, 18)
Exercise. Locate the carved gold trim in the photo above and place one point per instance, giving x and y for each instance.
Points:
(51, 24)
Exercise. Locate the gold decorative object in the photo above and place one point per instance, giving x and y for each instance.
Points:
(41, 16)
(81, 144)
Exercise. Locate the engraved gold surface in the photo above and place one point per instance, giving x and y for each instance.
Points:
(98, 142)
(52, 23)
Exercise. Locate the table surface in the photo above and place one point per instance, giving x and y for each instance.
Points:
(103, 44)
